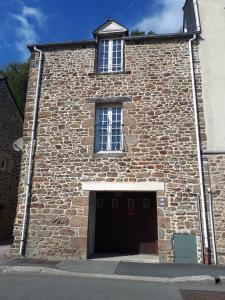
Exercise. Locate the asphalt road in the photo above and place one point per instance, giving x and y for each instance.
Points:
(46, 287)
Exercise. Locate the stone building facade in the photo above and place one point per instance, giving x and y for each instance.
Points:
(11, 128)
(154, 92)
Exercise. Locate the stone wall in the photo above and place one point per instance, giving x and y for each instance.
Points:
(159, 134)
(10, 130)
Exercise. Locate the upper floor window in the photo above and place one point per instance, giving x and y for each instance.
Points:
(110, 55)
(108, 133)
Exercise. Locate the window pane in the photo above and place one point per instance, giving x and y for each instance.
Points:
(108, 129)
(116, 62)
(117, 56)
(116, 129)
(101, 129)
(103, 55)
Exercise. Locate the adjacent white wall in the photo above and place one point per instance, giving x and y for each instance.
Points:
(212, 57)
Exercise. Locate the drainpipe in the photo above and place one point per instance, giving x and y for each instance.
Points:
(201, 180)
(31, 154)
(200, 228)
(212, 226)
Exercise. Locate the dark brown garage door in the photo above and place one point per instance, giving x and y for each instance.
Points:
(126, 223)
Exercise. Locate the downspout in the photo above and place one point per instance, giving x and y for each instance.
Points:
(200, 228)
(212, 227)
(201, 179)
(31, 153)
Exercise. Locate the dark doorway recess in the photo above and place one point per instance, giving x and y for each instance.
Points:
(126, 222)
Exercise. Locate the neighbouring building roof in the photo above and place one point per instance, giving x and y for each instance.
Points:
(4, 79)
(189, 17)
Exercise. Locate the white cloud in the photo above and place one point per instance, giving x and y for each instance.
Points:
(167, 20)
(26, 31)
(34, 12)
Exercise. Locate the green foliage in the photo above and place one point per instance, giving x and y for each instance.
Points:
(137, 32)
(17, 76)
(150, 32)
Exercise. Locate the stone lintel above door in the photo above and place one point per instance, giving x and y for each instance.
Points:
(123, 186)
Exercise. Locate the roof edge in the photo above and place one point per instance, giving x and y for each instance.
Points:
(93, 42)
(62, 44)
(182, 35)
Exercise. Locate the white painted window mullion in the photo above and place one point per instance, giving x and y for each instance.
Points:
(121, 131)
(109, 138)
(110, 55)
(122, 50)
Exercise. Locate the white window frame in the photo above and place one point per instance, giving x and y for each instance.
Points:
(110, 56)
(109, 130)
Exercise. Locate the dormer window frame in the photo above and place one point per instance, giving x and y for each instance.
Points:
(114, 63)
(109, 32)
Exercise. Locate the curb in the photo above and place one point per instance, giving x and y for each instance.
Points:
(51, 271)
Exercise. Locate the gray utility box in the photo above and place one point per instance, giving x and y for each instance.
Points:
(184, 248)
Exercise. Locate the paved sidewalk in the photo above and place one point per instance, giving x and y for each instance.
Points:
(169, 270)
(116, 269)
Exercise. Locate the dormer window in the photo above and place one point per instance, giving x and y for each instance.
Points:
(110, 55)
(110, 39)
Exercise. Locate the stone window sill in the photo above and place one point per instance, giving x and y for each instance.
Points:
(109, 154)
(109, 74)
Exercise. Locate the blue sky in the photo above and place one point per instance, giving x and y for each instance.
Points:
(39, 21)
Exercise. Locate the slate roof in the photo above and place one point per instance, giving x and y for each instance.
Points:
(4, 79)
(127, 38)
